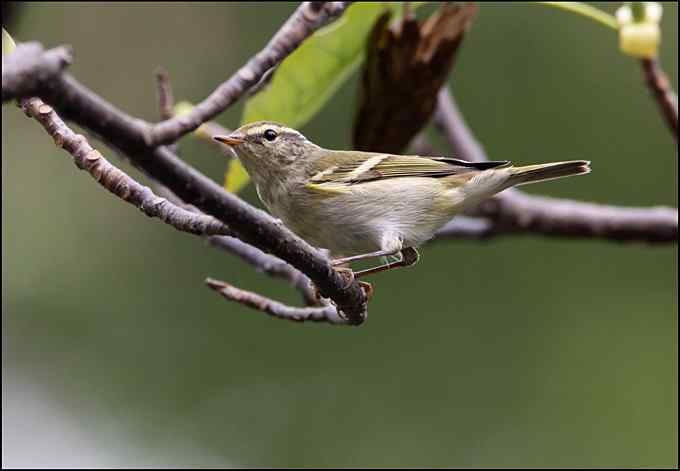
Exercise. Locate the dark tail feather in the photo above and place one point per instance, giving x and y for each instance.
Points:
(551, 171)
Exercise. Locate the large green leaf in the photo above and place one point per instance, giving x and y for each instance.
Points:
(308, 77)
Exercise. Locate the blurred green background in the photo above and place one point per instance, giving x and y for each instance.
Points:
(521, 351)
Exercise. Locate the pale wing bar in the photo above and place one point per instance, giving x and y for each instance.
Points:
(384, 166)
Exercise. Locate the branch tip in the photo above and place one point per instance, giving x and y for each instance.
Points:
(309, 17)
(327, 314)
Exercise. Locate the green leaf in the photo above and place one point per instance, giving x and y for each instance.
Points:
(7, 43)
(236, 177)
(308, 77)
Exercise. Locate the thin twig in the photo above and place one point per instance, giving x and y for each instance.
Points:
(662, 91)
(166, 99)
(268, 264)
(29, 67)
(262, 262)
(115, 180)
(309, 17)
(126, 134)
(274, 308)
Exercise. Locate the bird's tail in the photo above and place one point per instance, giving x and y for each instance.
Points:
(544, 172)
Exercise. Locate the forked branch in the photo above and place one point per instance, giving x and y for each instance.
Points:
(516, 212)
(309, 17)
(115, 180)
(261, 240)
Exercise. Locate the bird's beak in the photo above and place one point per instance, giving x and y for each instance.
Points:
(232, 139)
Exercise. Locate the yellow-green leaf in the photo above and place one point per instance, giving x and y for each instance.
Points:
(7, 43)
(308, 77)
(182, 108)
(236, 177)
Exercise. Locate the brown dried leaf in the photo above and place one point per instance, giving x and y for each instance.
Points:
(404, 70)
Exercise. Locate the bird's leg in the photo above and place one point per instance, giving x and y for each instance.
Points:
(409, 256)
(379, 253)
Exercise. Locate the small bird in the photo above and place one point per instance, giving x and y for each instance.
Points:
(361, 205)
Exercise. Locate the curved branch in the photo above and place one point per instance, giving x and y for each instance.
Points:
(519, 213)
(268, 264)
(80, 105)
(661, 89)
(309, 17)
(515, 212)
(128, 135)
(274, 308)
(262, 262)
(115, 180)
(29, 67)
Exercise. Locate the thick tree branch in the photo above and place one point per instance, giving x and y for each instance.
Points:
(309, 17)
(115, 180)
(515, 212)
(130, 136)
(268, 264)
(262, 262)
(274, 308)
(80, 105)
(661, 89)
(519, 213)
(466, 227)
(29, 67)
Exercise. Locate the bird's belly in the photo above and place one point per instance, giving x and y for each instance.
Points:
(368, 218)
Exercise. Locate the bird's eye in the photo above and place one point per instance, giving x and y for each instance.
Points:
(270, 135)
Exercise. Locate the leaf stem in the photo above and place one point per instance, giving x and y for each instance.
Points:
(586, 10)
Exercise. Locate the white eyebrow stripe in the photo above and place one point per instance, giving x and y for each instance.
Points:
(261, 129)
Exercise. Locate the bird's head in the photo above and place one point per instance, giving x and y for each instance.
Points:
(268, 149)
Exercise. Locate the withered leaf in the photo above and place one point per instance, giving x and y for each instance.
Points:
(405, 68)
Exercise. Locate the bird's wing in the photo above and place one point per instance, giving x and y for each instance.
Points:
(337, 169)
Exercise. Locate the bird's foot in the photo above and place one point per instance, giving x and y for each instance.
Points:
(348, 275)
